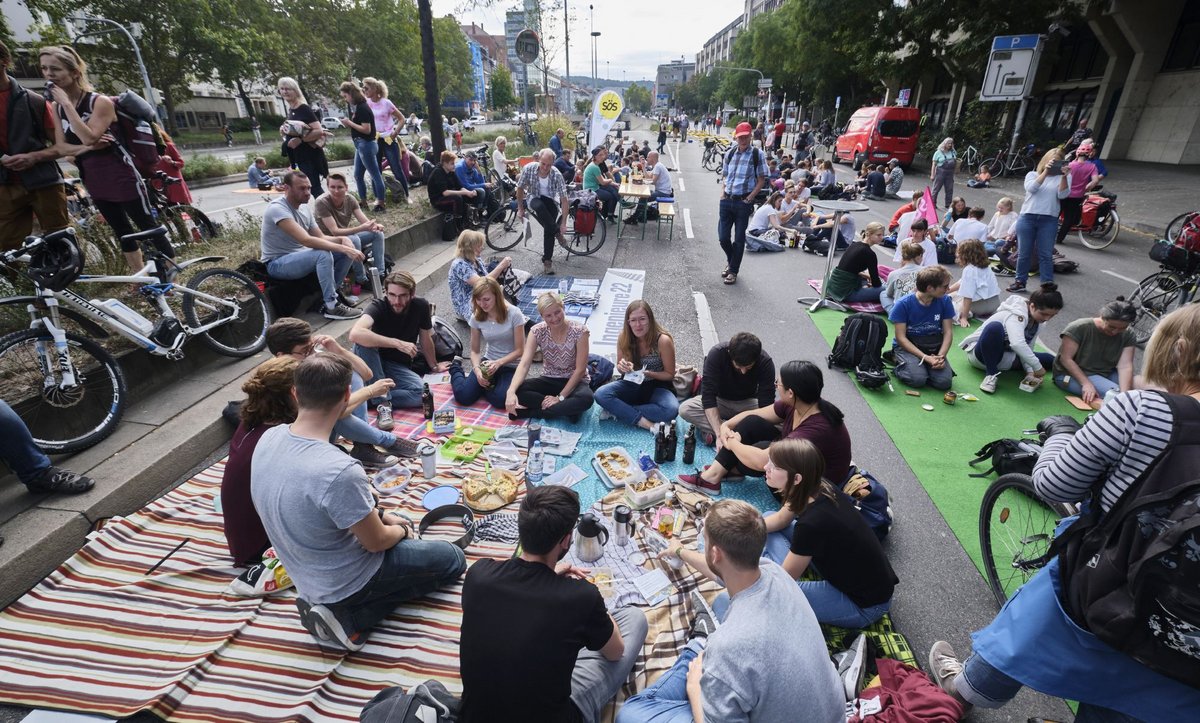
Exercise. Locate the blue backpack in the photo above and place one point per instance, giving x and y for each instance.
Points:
(871, 499)
(600, 369)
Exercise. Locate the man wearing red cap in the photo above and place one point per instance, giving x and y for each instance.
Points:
(745, 171)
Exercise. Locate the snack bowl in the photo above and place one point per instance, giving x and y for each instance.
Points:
(392, 480)
(617, 468)
(648, 492)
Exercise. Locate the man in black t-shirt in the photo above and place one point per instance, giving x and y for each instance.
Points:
(445, 191)
(389, 336)
(738, 377)
(537, 643)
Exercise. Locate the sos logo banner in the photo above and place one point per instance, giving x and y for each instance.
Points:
(605, 109)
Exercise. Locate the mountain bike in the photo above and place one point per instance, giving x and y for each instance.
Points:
(1160, 293)
(1016, 527)
(505, 230)
(68, 389)
(1017, 164)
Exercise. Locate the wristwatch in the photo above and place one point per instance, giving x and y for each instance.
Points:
(560, 398)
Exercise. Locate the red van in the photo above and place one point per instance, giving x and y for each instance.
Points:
(876, 134)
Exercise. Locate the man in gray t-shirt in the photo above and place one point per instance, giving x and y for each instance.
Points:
(351, 563)
(659, 176)
(766, 658)
(294, 247)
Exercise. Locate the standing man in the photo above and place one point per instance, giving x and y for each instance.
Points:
(556, 142)
(293, 245)
(389, 336)
(732, 671)
(780, 129)
(256, 129)
(30, 182)
(1081, 134)
(684, 122)
(537, 642)
(745, 171)
(352, 563)
(738, 377)
(339, 215)
(541, 190)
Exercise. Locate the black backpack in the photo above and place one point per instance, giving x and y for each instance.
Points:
(1132, 577)
(1008, 456)
(446, 342)
(859, 348)
(428, 701)
(946, 251)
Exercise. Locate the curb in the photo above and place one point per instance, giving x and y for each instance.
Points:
(241, 177)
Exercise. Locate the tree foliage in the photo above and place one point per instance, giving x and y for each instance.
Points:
(637, 98)
(503, 96)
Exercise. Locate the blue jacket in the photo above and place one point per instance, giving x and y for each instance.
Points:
(470, 178)
(556, 145)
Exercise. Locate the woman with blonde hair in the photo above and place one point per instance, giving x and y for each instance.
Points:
(941, 173)
(1045, 187)
(497, 340)
(562, 390)
(856, 277)
(467, 271)
(643, 346)
(389, 120)
(499, 162)
(301, 133)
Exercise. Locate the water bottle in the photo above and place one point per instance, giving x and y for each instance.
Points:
(562, 287)
(533, 465)
(427, 402)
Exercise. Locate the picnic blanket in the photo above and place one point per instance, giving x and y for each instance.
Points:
(527, 297)
(869, 307)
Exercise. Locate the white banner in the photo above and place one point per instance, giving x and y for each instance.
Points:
(608, 105)
(617, 289)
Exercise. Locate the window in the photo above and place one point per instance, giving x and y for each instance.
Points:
(1184, 51)
(935, 113)
(181, 120)
(898, 128)
(1080, 57)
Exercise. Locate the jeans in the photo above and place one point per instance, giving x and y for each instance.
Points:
(366, 161)
(356, 428)
(391, 151)
(993, 344)
(666, 701)
(756, 432)
(607, 196)
(330, 268)
(545, 210)
(372, 240)
(630, 403)
(532, 391)
(407, 392)
(467, 389)
(595, 679)
(1104, 383)
(410, 569)
(864, 294)
(1072, 214)
(984, 686)
(734, 217)
(1035, 231)
(911, 372)
(17, 448)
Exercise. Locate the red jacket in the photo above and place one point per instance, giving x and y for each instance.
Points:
(900, 212)
(172, 165)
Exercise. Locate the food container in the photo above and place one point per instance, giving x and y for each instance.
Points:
(616, 468)
(392, 480)
(504, 455)
(648, 492)
(467, 443)
(443, 422)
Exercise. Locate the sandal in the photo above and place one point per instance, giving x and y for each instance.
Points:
(730, 279)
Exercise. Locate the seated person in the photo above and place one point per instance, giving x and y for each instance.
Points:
(918, 233)
(858, 264)
(293, 245)
(1096, 355)
(1002, 226)
(820, 525)
(562, 390)
(658, 175)
(971, 227)
(904, 279)
(537, 642)
(31, 466)
(497, 339)
(596, 179)
(643, 346)
(822, 228)
(446, 193)
(471, 178)
(909, 207)
(800, 413)
(566, 165)
(958, 210)
(924, 323)
(895, 177)
(732, 671)
(389, 336)
(1005, 342)
(825, 179)
(259, 177)
(876, 186)
(291, 337)
(467, 271)
(269, 402)
(351, 564)
(978, 292)
(765, 218)
(340, 215)
(738, 376)
(793, 212)
(644, 151)
(981, 179)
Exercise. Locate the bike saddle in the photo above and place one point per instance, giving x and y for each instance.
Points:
(151, 235)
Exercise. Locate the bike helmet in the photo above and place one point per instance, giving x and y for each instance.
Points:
(56, 262)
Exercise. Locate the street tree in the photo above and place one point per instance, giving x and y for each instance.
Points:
(583, 105)
(637, 98)
(503, 96)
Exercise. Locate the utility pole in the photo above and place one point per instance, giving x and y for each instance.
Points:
(137, 53)
(567, 38)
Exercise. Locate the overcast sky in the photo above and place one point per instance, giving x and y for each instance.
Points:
(636, 35)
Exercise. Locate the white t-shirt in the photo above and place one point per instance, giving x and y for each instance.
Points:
(968, 228)
(497, 337)
(662, 178)
(1001, 225)
(499, 162)
(904, 231)
(978, 284)
(930, 257)
(761, 221)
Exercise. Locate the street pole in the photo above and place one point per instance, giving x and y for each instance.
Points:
(433, 102)
(146, 87)
(1012, 146)
(567, 35)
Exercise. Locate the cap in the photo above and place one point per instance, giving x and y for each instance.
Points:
(806, 123)
(894, 162)
(472, 155)
(743, 129)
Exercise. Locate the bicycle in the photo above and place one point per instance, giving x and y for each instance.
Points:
(970, 160)
(822, 145)
(1016, 527)
(1003, 163)
(67, 388)
(185, 223)
(504, 230)
(1099, 222)
(1160, 293)
(1176, 225)
(714, 154)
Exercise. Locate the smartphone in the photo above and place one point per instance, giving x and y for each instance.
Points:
(1055, 168)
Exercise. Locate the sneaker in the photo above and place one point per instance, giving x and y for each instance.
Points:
(731, 279)
(370, 457)
(989, 383)
(323, 625)
(944, 667)
(852, 666)
(1016, 287)
(383, 417)
(697, 483)
(341, 311)
(404, 448)
(62, 481)
(605, 414)
(705, 623)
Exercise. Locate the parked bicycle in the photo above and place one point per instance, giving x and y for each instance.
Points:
(1160, 293)
(504, 230)
(714, 153)
(1099, 222)
(1018, 164)
(184, 222)
(68, 389)
(970, 160)
(1176, 225)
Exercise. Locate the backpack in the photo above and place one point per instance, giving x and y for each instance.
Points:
(947, 250)
(1006, 252)
(1065, 266)
(1132, 577)
(872, 500)
(1008, 456)
(600, 371)
(136, 133)
(427, 702)
(859, 348)
(446, 343)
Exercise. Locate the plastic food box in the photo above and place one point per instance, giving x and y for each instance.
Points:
(651, 495)
(479, 436)
(625, 461)
(392, 480)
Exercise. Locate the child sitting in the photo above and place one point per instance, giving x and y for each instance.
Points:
(1002, 226)
(980, 180)
(903, 280)
(978, 291)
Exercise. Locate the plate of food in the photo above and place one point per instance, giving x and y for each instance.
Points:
(486, 492)
(392, 480)
(616, 468)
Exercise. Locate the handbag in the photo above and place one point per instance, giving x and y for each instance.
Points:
(686, 381)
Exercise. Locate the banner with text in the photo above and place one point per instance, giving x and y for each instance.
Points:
(617, 289)
(608, 105)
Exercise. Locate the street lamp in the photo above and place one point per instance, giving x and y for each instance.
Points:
(146, 88)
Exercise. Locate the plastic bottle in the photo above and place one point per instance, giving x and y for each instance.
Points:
(427, 402)
(689, 445)
(533, 465)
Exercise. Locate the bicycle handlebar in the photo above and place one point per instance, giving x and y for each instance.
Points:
(166, 179)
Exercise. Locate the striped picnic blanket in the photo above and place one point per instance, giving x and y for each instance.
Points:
(410, 424)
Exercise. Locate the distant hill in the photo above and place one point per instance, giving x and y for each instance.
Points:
(586, 80)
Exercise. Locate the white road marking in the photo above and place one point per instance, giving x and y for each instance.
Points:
(687, 223)
(681, 186)
(708, 329)
(1119, 276)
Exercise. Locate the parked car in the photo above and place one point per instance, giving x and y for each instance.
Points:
(474, 121)
(516, 117)
(876, 134)
(330, 123)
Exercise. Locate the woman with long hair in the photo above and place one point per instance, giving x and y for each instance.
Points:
(562, 390)
(361, 122)
(389, 121)
(467, 271)
(171, 163)
(497, 340)
(1045, 187)
(1005, 340)
(302, 135)
(643, 346)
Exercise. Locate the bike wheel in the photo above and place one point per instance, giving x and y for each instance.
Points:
(585, 244)
(994, 166)
(1015, 530)
(501, 230)
(187, 224)
(1155, 296)
(1176, 226)
(242, 330)
(1018, 168)
(499, 192)
(1103, 233)
(62, 418)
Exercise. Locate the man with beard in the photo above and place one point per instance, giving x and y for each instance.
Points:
(537, 642)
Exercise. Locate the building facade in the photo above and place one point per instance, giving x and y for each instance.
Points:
(669, 77)
(719, 47)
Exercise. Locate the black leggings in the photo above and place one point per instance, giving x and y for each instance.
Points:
(1072, 213)
(118, 214)
(756, 432)
(532, 391)
(546, 213)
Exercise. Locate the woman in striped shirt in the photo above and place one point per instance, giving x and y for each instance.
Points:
(1032, 642)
